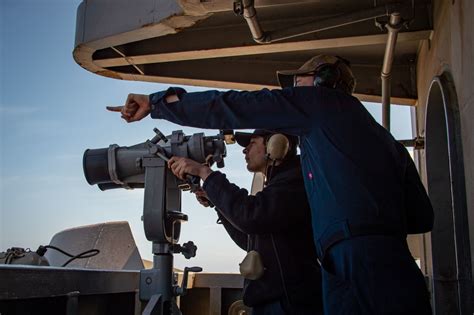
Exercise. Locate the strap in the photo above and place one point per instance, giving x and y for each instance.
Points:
(250, 243)
(343, 230)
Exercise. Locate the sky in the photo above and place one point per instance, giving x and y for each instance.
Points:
(52, 110)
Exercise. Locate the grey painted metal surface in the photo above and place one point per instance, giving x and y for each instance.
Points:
(450, 247)
(114, 240)
(101, 19)
(450, 50)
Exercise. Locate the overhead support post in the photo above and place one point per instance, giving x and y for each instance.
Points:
(246, 8)
(393, 28)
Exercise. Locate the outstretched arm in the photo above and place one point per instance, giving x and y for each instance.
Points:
(287, 109)
(292, 109)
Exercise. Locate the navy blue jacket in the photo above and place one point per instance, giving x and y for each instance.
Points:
(356, 175)
(278, 222)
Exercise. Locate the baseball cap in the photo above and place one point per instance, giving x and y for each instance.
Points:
(243, 138)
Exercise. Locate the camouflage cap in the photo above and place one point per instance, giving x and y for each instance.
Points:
(286, 77)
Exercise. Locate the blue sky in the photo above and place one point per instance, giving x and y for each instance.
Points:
(51, 110)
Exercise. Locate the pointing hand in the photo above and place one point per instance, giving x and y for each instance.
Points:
(136, 107)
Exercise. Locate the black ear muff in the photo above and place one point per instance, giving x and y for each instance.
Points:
(328, 76)
(277, 147)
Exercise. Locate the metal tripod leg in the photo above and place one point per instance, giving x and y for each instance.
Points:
(154, 306)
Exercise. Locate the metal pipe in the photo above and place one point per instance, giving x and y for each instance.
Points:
(250, 15)
(262, 37)
(325, 24)
(393, 27)
(417, 144)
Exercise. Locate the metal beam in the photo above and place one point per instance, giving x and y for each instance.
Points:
(227, 5)
(245, 86)
(260, 49)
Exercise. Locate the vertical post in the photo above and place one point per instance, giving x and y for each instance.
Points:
(386, 92)
(393, 27)
(163, 263)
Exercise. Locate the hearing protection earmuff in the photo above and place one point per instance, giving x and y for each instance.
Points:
(277, 147)
(328, 75)
(332, 75)
(276, 150)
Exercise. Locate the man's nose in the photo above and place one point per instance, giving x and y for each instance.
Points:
(244, 151)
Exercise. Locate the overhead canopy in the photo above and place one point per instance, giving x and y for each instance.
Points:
(205, 43)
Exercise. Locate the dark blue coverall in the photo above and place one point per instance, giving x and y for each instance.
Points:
(359, 181)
